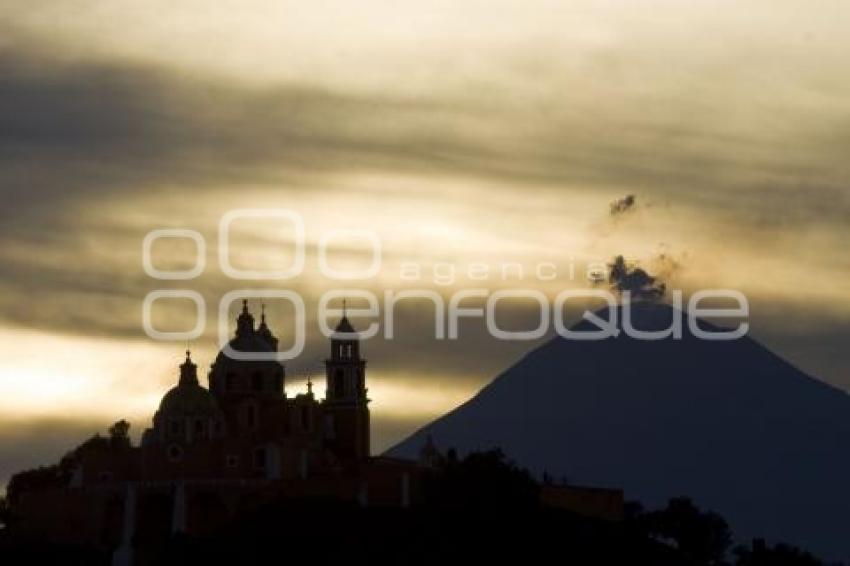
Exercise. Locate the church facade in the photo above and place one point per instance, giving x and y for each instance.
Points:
(244, 425)
(214, 453)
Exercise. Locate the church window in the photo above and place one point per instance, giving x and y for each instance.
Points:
(305, 418)
(175, 453)
(232, 461)
(174, 425)
(230, 381)
(199, 427)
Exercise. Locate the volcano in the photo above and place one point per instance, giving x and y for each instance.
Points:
(727, 423)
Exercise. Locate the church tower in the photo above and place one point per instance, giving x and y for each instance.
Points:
(250, 392)
(346, 404)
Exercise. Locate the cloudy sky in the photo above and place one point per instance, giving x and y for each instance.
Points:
(460, 132)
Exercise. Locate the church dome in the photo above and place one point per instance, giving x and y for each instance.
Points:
(246, 343)
(188, 397)
(249, 339)
(188, 400)
(231, 378)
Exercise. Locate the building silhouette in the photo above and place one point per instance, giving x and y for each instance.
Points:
(214, 454)
(244, 425)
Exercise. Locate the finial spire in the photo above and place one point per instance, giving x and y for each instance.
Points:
(188, 369)
(309, 385)
(245, 321)
(344, 310)
(263, 312)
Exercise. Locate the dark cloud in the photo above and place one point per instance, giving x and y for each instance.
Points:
(73, 130)
(75, 134)
(640, 284)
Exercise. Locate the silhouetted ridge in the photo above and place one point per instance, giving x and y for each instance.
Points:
(728, 423)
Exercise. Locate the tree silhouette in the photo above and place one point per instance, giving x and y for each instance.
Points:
(703, 537)
(58, 475)
(780, 555)
(43, 477)
(479, 508)
(119, 434)
(482, 480)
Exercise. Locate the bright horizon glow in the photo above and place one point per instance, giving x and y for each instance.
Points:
(68, 377)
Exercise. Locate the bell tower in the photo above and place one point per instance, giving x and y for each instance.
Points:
(346, 404)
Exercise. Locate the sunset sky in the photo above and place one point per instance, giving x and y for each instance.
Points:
(486, 131)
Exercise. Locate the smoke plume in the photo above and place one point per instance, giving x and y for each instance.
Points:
(641, 284)
(623, 205)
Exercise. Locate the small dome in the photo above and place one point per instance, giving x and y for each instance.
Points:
(188, 399)
(245, 343)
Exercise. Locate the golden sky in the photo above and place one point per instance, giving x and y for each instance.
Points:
(459, 131)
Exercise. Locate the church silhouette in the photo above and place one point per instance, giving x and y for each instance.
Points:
(213, 455)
